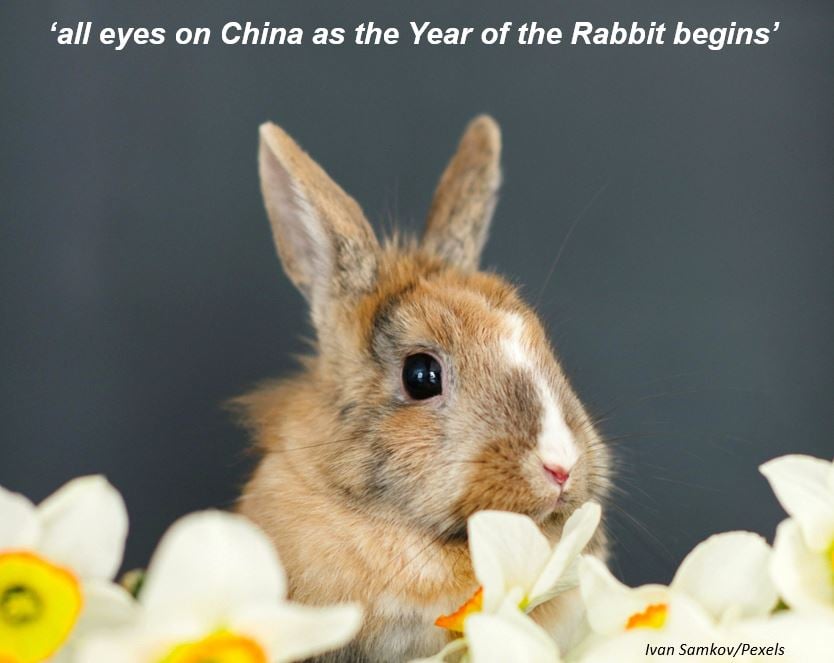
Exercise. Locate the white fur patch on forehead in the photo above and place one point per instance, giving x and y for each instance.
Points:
(513, 343)
(556, 444)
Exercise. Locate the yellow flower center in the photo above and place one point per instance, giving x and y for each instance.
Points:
(220, 647)
(20, 605)
(654, 616)
(39, 606)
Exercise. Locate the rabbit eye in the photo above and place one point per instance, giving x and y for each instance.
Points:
(422, 376)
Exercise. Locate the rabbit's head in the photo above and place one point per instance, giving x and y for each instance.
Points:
(441, 391)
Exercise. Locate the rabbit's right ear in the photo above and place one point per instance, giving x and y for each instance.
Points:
(326, 245)
(464, 201)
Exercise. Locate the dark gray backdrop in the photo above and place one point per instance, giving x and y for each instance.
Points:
(693, 302)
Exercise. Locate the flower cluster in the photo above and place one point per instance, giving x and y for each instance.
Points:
(215, 589)
(732, 598)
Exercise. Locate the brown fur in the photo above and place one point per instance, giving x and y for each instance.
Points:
(366, 493)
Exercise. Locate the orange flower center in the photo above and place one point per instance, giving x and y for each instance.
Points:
(454, 622)
(654, 616)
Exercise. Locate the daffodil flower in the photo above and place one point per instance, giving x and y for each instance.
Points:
(215, 591)
(803, 551)
(513, 559)
(517, 567)
(723, 579)
(614, 609)
(57, 561)
(666, 622)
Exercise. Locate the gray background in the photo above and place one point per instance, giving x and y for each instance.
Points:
(692, 304)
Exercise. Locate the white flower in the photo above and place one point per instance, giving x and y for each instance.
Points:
(512, 558)
(57, 561)
(726, 575)
(517, 567)
(722, 580)
(215, 591)
(673, 620)
(803, 551)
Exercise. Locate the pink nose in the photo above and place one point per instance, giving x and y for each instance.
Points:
(558, 473)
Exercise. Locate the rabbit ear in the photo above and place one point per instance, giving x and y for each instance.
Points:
(326, 245)
(462, 206)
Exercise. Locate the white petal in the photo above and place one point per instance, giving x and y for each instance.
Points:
(805, 638)
(564, 619)
(729, 576)
(627, 647)
(18, 524)
(151, 638)
(804, 577)
(504, 637)
(293, 632)
(122, 646)
(687, 619)
(831, 478)
(576, 533)
(610, 603)
(508, 551)
(211, 563)
(84, 527)
(107, 609)
(802, 485)
(106, 606)
(110, 649)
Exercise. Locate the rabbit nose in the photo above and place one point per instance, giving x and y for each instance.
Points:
(558, 474)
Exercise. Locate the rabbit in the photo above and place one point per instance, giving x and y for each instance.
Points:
(433, 393)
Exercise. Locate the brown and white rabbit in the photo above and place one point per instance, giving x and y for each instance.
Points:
(433, 393)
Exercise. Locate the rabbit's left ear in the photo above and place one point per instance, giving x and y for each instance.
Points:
(465, 198)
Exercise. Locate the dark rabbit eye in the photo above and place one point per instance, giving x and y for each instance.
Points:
(422, 377)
